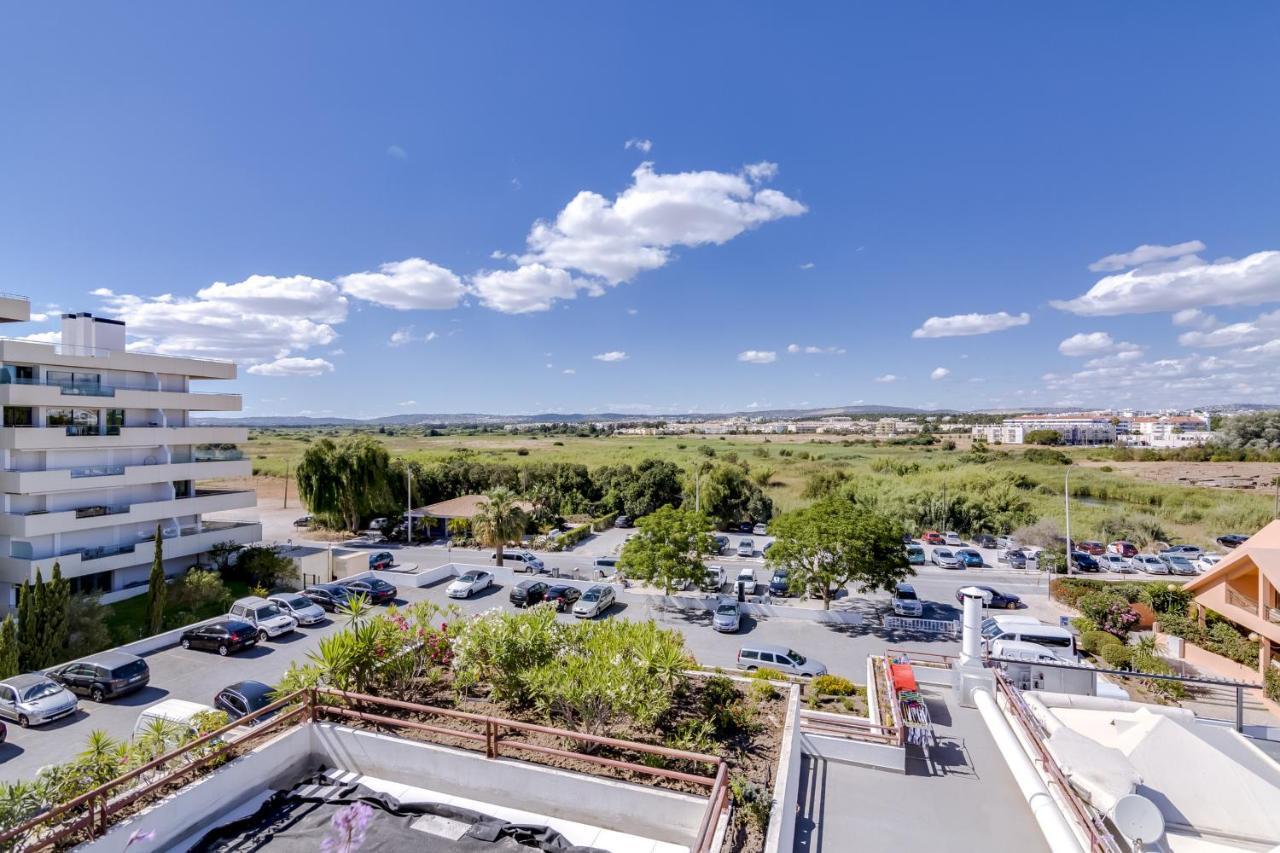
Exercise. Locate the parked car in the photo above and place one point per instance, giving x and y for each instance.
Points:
(1190, 552)
(746, 548)
(728, 617)
(1231, 540)
(993, 597)
(760, 530)
(103, 676)
(906, 602)
(1015, 557)
(243, 698)
(595, 601)
(1006, 542)
(469, 583)
(604, 566)
(265, 616)
(720, 541)
(781, 658)
(944, 559)
(377, 591)
(34, 699)
(745, 527)
(381, 560)
(714, 579)
(1149, 563)
(305, 521)
(984, 540)
(746, 580)
(933, 537)
(778, 583)
(524, 561)
(1123, 548)
(953, 539)
(223, 636)
(1084, 562)
(528, 593)
(1207, 561)
(563, 596)
(330, 596)
(623, 521)
(1116, 563)
(176, 716)
(1179, 565)
(299, 606)
(915, 555)
(969, 558)
(1093, 549)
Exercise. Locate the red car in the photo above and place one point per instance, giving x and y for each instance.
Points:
(933, 537)
(1093, 549)
(1123, 548)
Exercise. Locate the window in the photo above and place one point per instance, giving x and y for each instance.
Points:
(91, 583)
(18, 416)
(766, 657)
(746, 655)
(115, 417)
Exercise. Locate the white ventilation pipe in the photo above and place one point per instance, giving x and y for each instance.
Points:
(1053, 824)
(971, 628)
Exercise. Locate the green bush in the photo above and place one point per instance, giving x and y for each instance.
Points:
(1083, 624)
(1273, 684)
(1167, 599)
(1225, 640)
(1094, 641)
(1116, 654)
(1097, 605)
(605, 521)
(763, 691)
(571, 537)
(1145, 660)
(833, 685)
(767, 674)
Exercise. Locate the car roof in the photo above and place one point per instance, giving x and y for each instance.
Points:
(27, 679)
(250, 601)
(175, 709)
(109, 658)
(905, 586)
(250, 689)
(527, 583)
(765, 647)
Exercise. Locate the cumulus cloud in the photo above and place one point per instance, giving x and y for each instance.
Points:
(615, 355)
(568, 371)
(644, 146)
(292, 366)
(807, 265)
(533, 287)
(400, 337)
(812, 350)
(1261, 328)
(1094, 343)
(1146, 254)
(757, 356)
(1195, 318)
(407, 403)
(408, 284)
(1168, 283)
(939, 373)
(888, 377)
(959, 325)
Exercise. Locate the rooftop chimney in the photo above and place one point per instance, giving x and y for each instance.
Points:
(86, 333)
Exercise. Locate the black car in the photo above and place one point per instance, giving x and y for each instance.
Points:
(1084, 562)
(996, 598)
(1231, 540)
(745, 527)
(778, 584)
(528, 593)
(376, 590)
(103, 676)
(623, 521)
(721, 542)
(224, 636)
(984, 540)
(562, 596)
(381, 560)
(1016, 559)
(330, 596)
(243, 698)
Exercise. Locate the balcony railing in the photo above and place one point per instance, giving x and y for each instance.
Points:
(94, 471)
(98, 389)
(116, 470)
(217, 456)
(89, 429)
(101, 551)
(1242, 601)
(71, 349)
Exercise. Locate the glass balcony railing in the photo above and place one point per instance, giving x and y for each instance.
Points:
(96, 471)
(97, 553)
(90, 429)
(115, 470)
(98, 389)
(217, 456)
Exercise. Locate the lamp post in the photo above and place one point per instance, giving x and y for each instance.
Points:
(1066, 502)
(408, 501)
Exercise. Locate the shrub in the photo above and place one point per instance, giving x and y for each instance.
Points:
(1167, 598)
(1116, 654)
(1043, 456)
(1084, 624)
(763, 691)
(768, 674)
(1097, 606)
(833, 685)
(751, 801)
(1094, 641)
(1273, 684)
(1225, 640)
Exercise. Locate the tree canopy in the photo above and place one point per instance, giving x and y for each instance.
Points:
(1042, 436)
(498, 520)
(346, 480)
(728, 496)
(668, 548)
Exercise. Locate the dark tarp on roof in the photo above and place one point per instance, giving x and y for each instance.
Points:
(297, 821)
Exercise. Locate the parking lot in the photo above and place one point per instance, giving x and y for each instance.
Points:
(991, 561)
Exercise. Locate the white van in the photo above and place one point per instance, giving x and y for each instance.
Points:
(1025, 652)
(178, 713)
(1058, 640)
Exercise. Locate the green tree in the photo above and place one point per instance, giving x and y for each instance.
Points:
(1042, 436)
(498, 520)
(87, 630)
(833, 543)
(38, 653)
(53, 624)
(265, 566)
(8, 648)
(346, 481)
(28, 627)
(668, 548)
(728, 496)
(156, 589)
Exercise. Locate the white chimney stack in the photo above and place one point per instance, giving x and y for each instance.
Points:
(86, 334)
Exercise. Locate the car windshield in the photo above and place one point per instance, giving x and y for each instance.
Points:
(591, 595)
(780, 577)
(267, 612)
(298, 601)
(907, 594)
(796, 657)
(726, 609)
(41, 690)
(469, 577)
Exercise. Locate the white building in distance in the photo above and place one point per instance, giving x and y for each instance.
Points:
(98, 448)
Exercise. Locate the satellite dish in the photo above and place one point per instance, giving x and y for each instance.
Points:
(1138, 819)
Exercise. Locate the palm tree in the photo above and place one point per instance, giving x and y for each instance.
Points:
(498, 520)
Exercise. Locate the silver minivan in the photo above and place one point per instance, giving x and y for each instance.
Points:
(784, 659)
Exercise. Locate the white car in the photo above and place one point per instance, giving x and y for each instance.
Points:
(1207, 561)
(1116, 563)
(469, 584)
(594, 601)
(297, 605)
(266, 616)
(747, 580)
(953, 539)
(1150, 563)
(746, 548)
(760, 530)
(522, 561)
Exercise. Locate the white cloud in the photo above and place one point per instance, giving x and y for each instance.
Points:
(644, 146)
(400, 337)
(43, 337)
(532, 287)
(397, 152)
(39, 317)
(568, 371)
(756, 356)
(1187, 282)
(939, 373)
(762, 171)
(812, 350)
(1195, 318)
(615, 355)
(407, 403)
(1261, 328)
(1094, 343)
(430, 336)
(807, 265)
(888, 377)
(959, 325)
(1146, 254)
(411, 283)
(633, 311)
(292, 366)
(615, 240)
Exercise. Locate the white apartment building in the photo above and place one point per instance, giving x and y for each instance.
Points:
(1073, 429)
(1165, 430)
(97, 448)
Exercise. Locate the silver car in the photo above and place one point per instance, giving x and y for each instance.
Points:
(34, 699)
(594, 601)
(297, 605)
(1179, 565)
(1149, 563)
(727, 618)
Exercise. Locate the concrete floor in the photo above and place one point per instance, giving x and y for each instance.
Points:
(961, 797)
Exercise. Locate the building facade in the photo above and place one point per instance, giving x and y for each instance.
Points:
(98, 447)
(1072, 429)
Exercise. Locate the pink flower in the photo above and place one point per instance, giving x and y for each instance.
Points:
(348, 824)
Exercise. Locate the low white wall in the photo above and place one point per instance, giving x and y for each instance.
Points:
(786, 782)
(122, 594)
(779, 611)
(932, 675)
(646, 811)
(878, 755)
(147, 645)
(193, 809)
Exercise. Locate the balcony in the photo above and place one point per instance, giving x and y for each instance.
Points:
(38, 482)
(59, 438)
(96, 358)
(95, 516)
(36, 392)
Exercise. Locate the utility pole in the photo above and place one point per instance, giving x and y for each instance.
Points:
(286, 485)
(408, 500)
(1066, 502)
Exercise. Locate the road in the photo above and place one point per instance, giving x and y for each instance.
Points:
(197, 675)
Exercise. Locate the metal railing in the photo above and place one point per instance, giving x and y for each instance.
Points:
(933, 660)
(1242, 601)
(102, 352)
(848, 727)
(91, 814)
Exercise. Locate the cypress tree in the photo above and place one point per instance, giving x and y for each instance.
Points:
(38, 654)
(28, 628)
(8, 647)
(156, 591)
(57, 616)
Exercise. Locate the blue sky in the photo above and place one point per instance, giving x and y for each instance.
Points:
(392, 208)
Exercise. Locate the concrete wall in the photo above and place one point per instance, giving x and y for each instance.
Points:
(786, 782)
(645, 811)
(879, 755)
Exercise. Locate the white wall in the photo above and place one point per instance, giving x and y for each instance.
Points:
(786, 782)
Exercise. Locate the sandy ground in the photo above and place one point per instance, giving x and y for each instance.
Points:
(1221, 475)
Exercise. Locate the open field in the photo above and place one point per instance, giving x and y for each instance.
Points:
(1102, 499)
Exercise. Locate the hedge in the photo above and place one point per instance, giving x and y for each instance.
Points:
(1273, 684)
(1218, 636)
(605, 521)
(571, 537)
(1117, 654)
(1094, 642)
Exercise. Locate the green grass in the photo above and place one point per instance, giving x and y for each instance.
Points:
(127, 619)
